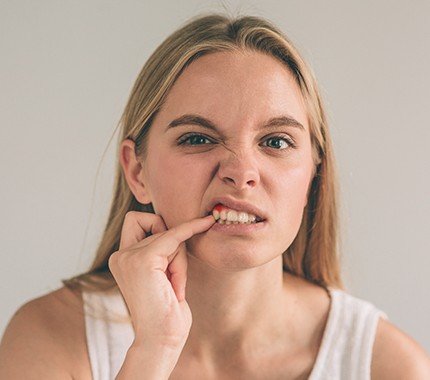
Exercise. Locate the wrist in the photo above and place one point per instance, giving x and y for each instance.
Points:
(153, 362)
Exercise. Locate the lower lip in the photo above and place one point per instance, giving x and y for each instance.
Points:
(238, 229)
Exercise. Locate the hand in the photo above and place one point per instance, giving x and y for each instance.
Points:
(151, 273)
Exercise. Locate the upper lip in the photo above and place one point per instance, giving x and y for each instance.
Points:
(237, 205)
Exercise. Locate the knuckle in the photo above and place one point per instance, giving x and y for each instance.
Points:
(112, 261)
(116, 258)
(174, 236)
(130, 214)
(112, 258)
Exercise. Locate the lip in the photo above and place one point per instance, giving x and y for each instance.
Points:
(237, 205)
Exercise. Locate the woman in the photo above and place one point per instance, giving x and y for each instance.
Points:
(221, 247)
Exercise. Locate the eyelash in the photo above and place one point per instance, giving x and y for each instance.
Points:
(187, 136)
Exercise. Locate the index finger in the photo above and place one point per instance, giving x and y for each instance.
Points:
(169, 242)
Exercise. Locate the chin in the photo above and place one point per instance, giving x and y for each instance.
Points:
(231, 258)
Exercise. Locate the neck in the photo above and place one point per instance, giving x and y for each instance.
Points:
(236, 313)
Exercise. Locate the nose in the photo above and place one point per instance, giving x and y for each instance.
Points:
(239, 170)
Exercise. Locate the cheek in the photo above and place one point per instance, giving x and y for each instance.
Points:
(292, 198)
(179, 177)
(175, 188)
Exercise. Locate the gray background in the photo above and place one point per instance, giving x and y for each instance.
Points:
(66, 71)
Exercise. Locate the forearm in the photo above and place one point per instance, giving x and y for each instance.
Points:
(144, 363)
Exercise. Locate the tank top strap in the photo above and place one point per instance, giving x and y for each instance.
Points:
(109, 332)
(347, 345)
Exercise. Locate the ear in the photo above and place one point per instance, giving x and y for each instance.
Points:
(133, 171)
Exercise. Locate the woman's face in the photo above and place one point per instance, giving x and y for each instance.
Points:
(239, 93)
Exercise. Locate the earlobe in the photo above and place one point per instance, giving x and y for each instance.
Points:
(132, 171)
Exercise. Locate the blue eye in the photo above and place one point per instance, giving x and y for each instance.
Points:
(193, 139)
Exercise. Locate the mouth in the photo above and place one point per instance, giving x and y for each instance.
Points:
(258, 219)
(242, 211)
(251, 228)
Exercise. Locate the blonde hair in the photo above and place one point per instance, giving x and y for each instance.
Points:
(314, 253)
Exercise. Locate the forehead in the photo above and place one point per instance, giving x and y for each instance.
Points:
(237, 85)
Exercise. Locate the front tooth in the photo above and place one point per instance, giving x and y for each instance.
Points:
(232, 216)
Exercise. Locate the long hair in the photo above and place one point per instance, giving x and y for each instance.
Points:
(314, 253)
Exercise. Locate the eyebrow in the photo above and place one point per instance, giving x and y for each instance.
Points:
(192, 119)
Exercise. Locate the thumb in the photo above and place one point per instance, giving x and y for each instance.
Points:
(178, 271)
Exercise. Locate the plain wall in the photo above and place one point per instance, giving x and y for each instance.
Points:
(66, 72)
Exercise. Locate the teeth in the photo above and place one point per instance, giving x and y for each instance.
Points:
(228, 216)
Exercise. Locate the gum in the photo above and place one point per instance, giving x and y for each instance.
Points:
(219, 207)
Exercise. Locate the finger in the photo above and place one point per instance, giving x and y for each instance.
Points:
(173, 237)
(178, 272)
(138, 225)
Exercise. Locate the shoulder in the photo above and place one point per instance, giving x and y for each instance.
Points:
(398, 356)
(47, 334)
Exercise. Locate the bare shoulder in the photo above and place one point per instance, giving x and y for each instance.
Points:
(397, 356)
(48, 335)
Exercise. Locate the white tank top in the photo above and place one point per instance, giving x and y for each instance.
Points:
(345, 351)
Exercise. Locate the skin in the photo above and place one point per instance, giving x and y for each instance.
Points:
(240, 298)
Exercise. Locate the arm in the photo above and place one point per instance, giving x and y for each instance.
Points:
(28, 349)
(149, 363)
(397, 356)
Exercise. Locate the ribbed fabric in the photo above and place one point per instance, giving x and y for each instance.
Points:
(345, 352)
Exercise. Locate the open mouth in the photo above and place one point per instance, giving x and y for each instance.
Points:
(223, 220)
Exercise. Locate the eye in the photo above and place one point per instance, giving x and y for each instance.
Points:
(283, 138)
(194, 139)
(191, 137)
